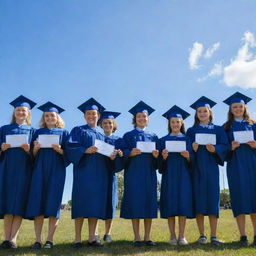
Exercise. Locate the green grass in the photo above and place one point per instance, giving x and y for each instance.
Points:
(122, 235)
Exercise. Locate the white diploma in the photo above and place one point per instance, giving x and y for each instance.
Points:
(146, 146)
(205, 138)
(175, 146)
(104, 148)
(243, 136)
(47, 140)
(17, 140)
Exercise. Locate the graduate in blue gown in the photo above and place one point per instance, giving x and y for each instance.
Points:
(90, 173)
(241, 164)
(176, 185)
(205, 175)
(15, 170)
(49, 173)
(140, 181)
(108, 124)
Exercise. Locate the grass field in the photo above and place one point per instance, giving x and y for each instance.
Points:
(122, 236)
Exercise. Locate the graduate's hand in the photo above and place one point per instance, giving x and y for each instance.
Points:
(135, 152)
(210, 148)
(234, 145)
(195, 146)
(113, 155)
(252, 143)
(57, 148)
(185, 154)
(155, 153)
(36, 147)
(5, 146)
(91, 150)
(26, 147)
(165, 154)
(120, 153)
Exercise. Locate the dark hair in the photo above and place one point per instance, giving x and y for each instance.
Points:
(182, 128)
(197, 121)
(230, 118)
(134, 120)
(114, 123)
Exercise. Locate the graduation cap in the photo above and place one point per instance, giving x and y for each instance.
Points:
(50, 107)
(109, 115)
(141, 107)
(91, 104)
(237, 98)
(176, 111)
(203, 102)
(22, 101)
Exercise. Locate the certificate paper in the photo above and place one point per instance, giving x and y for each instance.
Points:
(205, 138)
(146, 146)
(243, 136)
(17, 140)
(46, 140)
(175, 146)
(104, 148)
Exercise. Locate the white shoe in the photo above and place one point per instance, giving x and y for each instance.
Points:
(173, 241)
(182, 241)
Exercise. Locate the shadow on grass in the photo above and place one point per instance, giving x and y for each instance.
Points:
(121, 247)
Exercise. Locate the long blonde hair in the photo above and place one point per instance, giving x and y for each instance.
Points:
(60, 123)
(28, 119)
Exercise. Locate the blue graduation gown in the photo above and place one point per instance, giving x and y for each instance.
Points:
(140, 181)
(15, 173)
(205, 174)
(48, 178)
(241, 172)
(176, 185)
(90, 174)
(115, 166)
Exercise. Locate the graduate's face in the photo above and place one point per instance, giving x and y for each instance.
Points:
(175, 124)
(107, 125)
(141, 120)
(21, 114)
(203, 114)
(91, 117)
(50, 119)
(238, 109)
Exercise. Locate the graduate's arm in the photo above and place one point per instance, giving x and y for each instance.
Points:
(162, 159)
(119, 160)
(65, 138)
(155, 154)
(74, 149)
(222, 146)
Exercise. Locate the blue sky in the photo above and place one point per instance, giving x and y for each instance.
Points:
(163, 52)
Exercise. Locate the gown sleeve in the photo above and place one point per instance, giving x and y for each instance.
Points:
(119, 161)
(162, 164)
(65, 138)
(74, 148)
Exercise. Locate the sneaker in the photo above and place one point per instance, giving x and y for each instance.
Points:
(12, 245)
(202, 240)
(150, 243)
(137, 243)
(107, 238)
(48, 245)
(215, 241)
(95, 243)
(173, 241)
(36, 246)
(5, 244)
(182, 241)
(97, 238)
(243, 241)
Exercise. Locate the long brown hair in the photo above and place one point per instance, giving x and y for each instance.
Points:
(230, 118)
(197, 121)
(182, 128)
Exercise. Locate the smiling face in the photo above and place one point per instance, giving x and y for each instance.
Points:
(203, 114)
(141, 120)
(21, 114)
(238, 110)
(107, 125)
(92, 117)
(175, 124)
(50, 119)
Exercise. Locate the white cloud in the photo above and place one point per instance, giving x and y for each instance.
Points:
(242, 69)
(195, 54)
(210, 51)
(216, 70)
